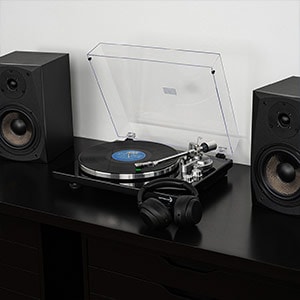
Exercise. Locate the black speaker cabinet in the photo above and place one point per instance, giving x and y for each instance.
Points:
(35, 106)
(275, 148)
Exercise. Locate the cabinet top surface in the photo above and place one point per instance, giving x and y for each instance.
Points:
(230, 225)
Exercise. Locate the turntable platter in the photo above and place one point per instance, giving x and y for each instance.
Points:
(115, 160)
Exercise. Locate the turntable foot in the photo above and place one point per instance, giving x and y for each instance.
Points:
(74, 186)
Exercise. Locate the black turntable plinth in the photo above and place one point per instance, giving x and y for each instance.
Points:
(113, 165)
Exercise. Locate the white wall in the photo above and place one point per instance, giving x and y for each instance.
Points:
(259, 42)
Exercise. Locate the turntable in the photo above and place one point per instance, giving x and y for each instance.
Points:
(172, 116)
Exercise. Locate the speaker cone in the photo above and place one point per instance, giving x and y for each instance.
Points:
(18, 130)
(278, 169)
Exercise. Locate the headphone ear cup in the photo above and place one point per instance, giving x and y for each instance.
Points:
(155, 214)
(187, 210)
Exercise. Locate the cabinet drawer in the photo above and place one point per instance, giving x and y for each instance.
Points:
(111, 285)
(19, 256)
(196, 278)
(20, 281)
(155, 268)
(9, 295)
(19, 231)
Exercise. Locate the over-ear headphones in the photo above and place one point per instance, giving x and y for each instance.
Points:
(158, 208)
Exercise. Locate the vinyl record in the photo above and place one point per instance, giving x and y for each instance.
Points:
(116, 160)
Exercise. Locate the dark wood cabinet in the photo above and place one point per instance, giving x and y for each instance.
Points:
(112, 265)
(164, 276)
(172, 277)
(104, 284)
(91, 244)
(21, 272)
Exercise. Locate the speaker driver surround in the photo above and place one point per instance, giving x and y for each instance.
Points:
(278, 170)
(19, 130)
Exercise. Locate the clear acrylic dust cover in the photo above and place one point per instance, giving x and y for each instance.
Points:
(170, 96)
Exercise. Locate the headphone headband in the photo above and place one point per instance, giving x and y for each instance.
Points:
(165, 182)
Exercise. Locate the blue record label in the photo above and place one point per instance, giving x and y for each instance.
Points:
(128, 155)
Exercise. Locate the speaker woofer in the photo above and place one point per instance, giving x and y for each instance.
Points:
(278, 171)
(19, 131)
